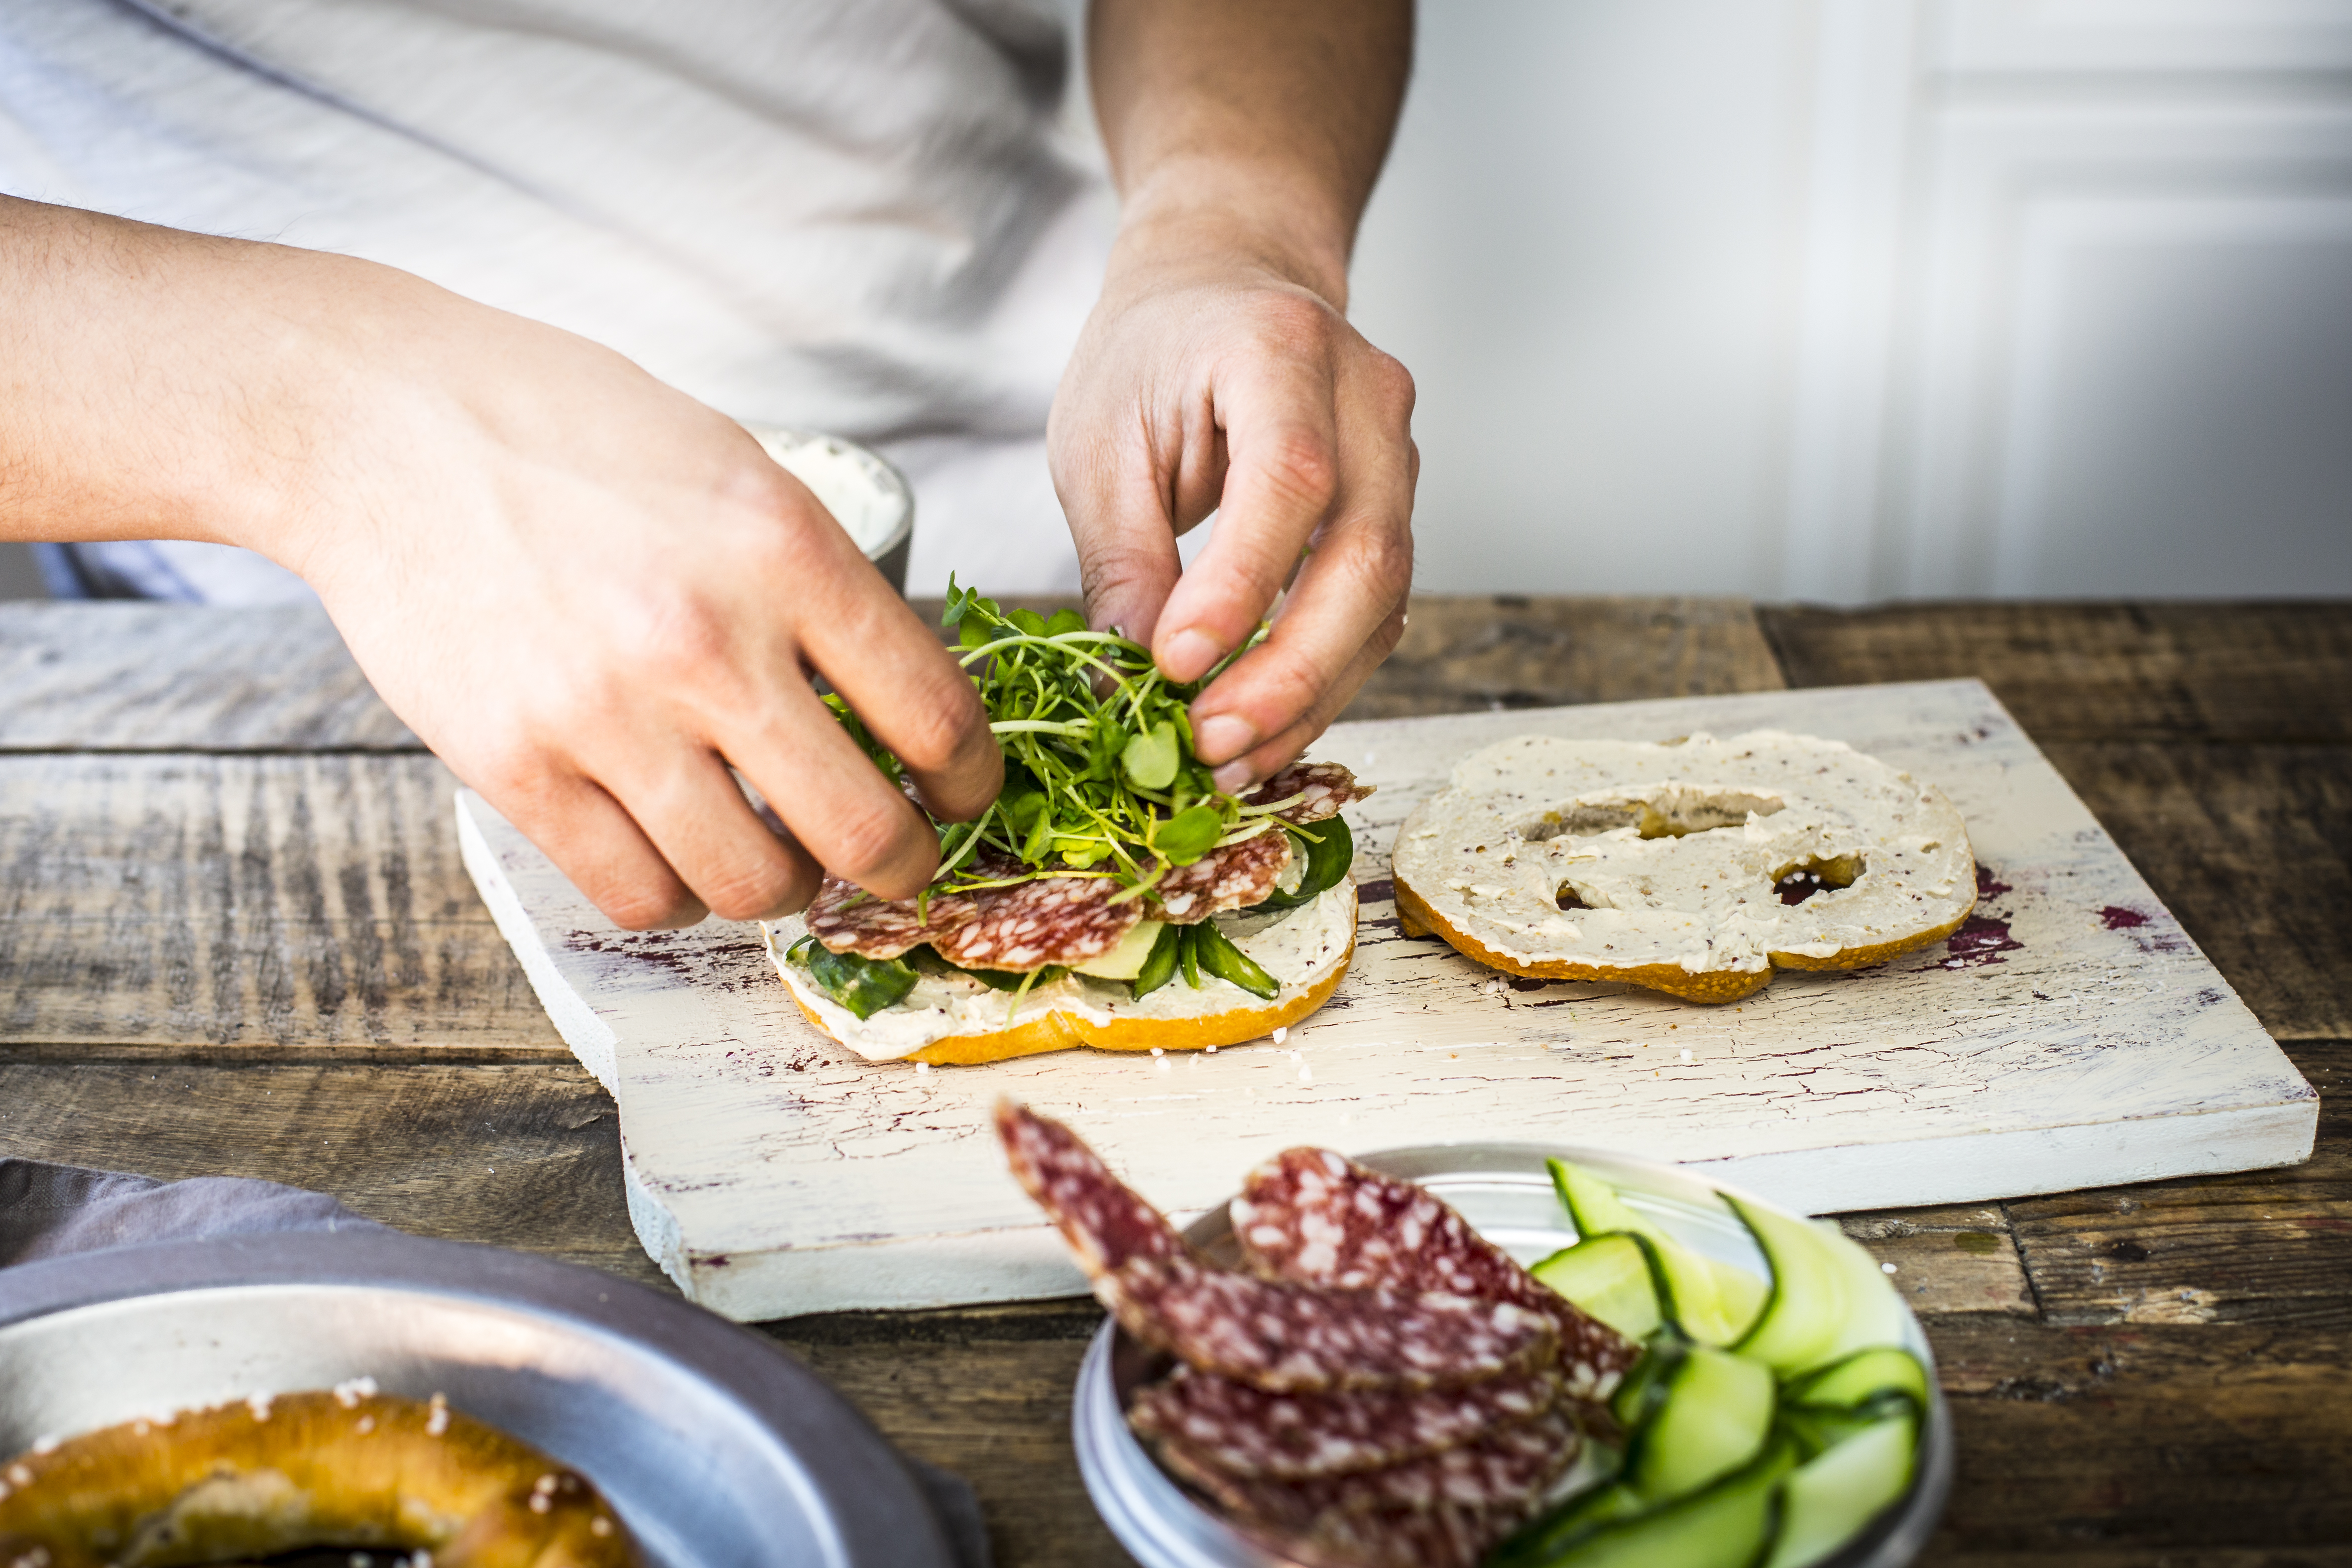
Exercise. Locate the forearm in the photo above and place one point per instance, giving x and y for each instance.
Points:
(1254, 126)
(160, 385)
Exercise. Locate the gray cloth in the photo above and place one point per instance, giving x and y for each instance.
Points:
(48, 1211)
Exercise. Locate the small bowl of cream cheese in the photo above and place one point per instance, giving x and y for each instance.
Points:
(864, 494)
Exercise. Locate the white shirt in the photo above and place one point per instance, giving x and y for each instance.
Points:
(863, 217)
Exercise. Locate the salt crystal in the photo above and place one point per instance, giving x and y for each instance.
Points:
(1281, 1032)
(1157, 1052)
(1886, 1267)
(923, 1070)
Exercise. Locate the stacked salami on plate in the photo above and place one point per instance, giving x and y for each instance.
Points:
(1378, 1385)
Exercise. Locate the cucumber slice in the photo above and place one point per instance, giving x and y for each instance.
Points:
(1715, 1416)
(1637, 1398)
(1806, 1313)
(1724, 1526)
(1712, 1302)
(1827, 1501)
(1821, 1427)
(1875, 1313)
(1611, 1277)
(1859, 1378)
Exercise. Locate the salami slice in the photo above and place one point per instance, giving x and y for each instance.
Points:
(1232, 877)
(1312, 1216)
(1273, 1334)
(1506, 1467)
(1054, 920)
(847, 919)
(1323, 788)
(1249, 1433)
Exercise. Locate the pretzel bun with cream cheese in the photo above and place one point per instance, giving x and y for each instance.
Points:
(951, 1018)
(1696, 867)
(348, 1468)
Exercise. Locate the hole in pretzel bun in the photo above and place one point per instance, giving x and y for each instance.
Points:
(1801, 879)
(1669, 811)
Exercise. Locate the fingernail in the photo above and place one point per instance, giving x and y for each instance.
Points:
(1222, 735)
(1233, 778)
(1190, 654)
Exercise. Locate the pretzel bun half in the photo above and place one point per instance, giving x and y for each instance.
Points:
(1309, 958)
(350, 1468)
(1697, 868)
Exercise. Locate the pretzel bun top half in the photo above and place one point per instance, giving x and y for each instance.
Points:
(1694, 867)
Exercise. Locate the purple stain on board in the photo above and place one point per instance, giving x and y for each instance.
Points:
(2114, 917)
(1988, 885)
(1979, 941)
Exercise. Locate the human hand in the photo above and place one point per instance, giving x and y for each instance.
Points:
(1210, 379)
(592, 595)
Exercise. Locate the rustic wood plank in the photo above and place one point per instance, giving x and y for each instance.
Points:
(1959, 1257)
(293, 903)
(2268, 1247)
(2212, 671)
(523, 1156)
(149, 678)
(747, 1126)
(2137, 1438)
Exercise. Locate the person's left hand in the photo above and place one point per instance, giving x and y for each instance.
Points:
(1207, 381)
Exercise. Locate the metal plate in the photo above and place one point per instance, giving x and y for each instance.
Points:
(718, 1449)
(1504, 1192)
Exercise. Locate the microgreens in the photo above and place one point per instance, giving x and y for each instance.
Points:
(1099, 775)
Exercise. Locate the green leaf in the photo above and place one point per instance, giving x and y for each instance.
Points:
(1187, 955)
(1150, 757)
(1188, 834)
(1221, 958)
(1159, 963)
(1029, 621)
(1064, 621)
(864, 985)
(1328, 859)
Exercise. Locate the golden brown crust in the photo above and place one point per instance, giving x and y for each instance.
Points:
(1065, 1031)
(1416, 918)
(345, 1468)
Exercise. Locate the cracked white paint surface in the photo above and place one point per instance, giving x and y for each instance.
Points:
(2071, 1036)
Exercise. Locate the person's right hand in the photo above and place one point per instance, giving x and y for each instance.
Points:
(589, 593)
(591, 596)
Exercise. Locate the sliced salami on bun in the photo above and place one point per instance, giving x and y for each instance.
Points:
(1696, 868)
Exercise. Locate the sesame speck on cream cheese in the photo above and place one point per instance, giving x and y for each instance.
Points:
(1623, 854)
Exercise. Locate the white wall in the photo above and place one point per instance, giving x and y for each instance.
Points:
(1857, 298)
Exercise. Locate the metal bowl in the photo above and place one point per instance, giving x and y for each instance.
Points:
(717, 1450)
(1505, 1190)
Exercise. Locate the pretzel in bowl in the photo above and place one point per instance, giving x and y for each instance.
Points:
(350, 1467)
(1696, 867)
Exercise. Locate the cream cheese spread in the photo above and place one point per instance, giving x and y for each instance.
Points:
(1625, 854)
(1300, 948)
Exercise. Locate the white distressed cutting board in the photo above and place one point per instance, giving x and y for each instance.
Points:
(2071, 1036)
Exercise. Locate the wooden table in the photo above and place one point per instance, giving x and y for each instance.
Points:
(235, 938)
